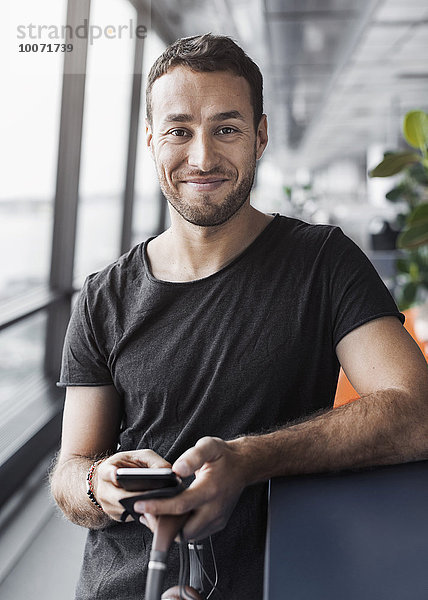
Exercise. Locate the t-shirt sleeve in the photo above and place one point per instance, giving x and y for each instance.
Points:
(83, 359)
(357, 292)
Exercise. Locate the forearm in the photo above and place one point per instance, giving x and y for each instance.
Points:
(383, 428)
(68, 486)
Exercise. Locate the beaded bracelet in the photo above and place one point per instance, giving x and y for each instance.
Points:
(89, 486)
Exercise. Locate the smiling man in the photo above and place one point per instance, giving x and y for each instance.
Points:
(215, 347)
(205, 140)
(205, 159)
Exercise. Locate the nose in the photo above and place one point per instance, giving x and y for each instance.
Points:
(202, 153)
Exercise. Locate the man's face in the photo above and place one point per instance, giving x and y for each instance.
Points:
(203, 142)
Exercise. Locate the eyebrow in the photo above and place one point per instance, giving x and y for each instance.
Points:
(178, 118)
(222, 116)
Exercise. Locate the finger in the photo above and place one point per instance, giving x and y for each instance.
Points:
(136, 458)
(144, 521)
(201, 524)
(150, 459)
(207, 449)
(183, 503)
(107, 472)
(149, 521)
(139, 458)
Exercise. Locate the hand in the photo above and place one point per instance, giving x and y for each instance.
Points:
(107, 490)
(211, 498)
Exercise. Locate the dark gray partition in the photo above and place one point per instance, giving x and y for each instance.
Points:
(359, 535)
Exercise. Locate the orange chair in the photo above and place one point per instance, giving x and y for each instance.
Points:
(345, 393)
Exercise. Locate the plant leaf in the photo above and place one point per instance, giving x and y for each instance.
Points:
(419, 173)
(414, 236)
(403, 265)
(395, 194)
(415, 129)
(419, 215)
(394, 163)
(404, 191)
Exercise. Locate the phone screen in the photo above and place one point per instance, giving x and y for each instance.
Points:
(140, 479)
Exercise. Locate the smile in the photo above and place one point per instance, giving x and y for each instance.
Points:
(204, 185)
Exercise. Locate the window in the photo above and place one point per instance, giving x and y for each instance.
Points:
(105, 138)
(146, 208)
(29, 133)
(29, 126)
(33, 315)
(21, 356)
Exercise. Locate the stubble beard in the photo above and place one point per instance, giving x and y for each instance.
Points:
(208, 213)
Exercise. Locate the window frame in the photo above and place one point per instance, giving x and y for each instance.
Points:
(56, 298)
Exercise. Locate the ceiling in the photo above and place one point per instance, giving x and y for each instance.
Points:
(339, 74)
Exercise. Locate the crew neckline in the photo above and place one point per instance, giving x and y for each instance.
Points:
(247, 250)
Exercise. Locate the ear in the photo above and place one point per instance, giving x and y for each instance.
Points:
(261, 137)
(149, 137)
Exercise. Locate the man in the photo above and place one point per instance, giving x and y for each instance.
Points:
(201, 347)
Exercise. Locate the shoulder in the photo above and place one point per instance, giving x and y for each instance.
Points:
(308, 236)
(117, 278)
(299, 228)
(323, 250)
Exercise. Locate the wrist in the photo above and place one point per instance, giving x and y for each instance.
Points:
(248, 459)
(91, 484)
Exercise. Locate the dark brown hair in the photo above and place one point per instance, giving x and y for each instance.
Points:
(204, 53)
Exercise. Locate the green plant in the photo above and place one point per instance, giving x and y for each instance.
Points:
(413, 189)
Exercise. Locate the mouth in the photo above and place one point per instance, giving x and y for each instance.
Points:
(205, 185)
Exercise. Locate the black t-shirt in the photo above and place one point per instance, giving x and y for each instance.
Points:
(244, 350)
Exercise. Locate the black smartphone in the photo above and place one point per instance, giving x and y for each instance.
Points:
(138, 479)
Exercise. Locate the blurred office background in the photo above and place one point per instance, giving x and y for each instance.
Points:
(78, 188)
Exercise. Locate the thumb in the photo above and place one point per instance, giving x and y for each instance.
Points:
(207, 449)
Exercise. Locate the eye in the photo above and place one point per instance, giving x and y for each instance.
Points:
(178, 132)
(226, 130)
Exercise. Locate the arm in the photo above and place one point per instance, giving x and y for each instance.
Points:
(389, 424)
(91, 423)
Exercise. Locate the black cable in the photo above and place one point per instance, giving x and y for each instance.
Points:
(210, 581)
(184, 565)
(196, 575)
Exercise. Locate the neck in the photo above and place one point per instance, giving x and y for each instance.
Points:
(187, 252)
